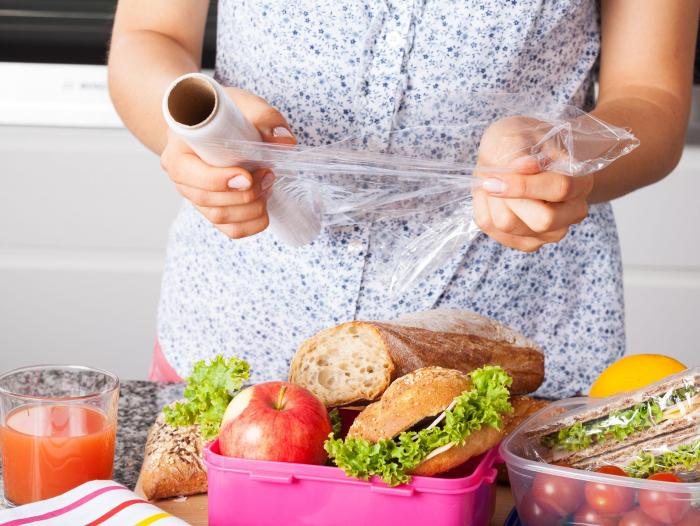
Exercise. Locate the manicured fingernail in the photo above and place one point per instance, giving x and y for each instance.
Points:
(267, 181)
(268, 192)
(281, 131)
(495, 186)
(239, 183)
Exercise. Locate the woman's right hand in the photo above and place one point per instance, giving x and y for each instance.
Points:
(232, 198)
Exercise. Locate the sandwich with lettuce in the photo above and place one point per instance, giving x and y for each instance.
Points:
(428, 422)
(646, 431)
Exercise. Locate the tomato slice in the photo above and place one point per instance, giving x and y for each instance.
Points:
(612, 470)
(664, 506)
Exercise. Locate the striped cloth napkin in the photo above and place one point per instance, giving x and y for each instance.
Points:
(102, 502)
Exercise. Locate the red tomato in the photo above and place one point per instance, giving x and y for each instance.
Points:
(532, 514)
(664, 506)
(561, 495)
(692, 518)
(637, 517)
(612, 470)
(609, 499)
(590, 517)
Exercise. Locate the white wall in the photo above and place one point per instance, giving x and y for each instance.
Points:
(84, 215)
(660, 236)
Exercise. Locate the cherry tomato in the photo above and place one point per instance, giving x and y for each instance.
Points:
(560, 495)
(637, 517)
(612, 470)
(664, 506)
(531, 513)
(609, 499)
(692, 518)
(590, 517)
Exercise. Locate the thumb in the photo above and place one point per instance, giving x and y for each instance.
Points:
(274, 127)
(526, 165)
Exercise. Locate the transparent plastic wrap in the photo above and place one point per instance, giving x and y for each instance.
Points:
(651, 430)
(422, 176)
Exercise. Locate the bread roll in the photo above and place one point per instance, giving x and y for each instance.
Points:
(357, 361)
(173, 464)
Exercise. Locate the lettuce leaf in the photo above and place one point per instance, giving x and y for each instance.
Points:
(393, 459)
(616, 426)
(336, 421)
(210, 388)
(685, 457)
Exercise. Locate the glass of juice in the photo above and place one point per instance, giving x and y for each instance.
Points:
(57, 429)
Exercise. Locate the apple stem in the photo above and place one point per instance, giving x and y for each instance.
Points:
(280, 398)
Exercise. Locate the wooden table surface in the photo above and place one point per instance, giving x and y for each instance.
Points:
(194, 509)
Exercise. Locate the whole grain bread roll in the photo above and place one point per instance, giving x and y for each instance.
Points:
(173, 464)
(357, 361)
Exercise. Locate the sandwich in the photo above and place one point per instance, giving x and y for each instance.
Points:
(677, 453)
(355, 362)
(429, 421)
(621, 426)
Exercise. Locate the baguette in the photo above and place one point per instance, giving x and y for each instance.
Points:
(357, 361)
(173, 464)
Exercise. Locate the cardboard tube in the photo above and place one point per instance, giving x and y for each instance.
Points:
(197, 108)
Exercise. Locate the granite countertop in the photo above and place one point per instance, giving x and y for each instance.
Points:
(139, 404)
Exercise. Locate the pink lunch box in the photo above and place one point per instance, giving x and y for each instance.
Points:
(261, 493)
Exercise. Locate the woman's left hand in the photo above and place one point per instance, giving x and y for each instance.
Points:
(526, 206)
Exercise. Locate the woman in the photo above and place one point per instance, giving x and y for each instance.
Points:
(548, 259)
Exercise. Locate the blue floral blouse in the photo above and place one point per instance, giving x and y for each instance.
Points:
(337, 69)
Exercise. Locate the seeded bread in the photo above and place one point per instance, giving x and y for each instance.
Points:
(357, 361)
(423, 393)
(173, 464)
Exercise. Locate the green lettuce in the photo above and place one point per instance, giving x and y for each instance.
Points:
(336, 421)
(393, 459)
(210, 388)
(685, 457)
(617, 425)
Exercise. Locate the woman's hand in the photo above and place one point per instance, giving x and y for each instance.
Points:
(232, 198)
(526, 206)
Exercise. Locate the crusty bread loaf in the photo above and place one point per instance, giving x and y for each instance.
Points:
(358, 360)
(173, 465)
(408, 400)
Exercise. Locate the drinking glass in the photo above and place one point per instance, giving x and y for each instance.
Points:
(57, 429)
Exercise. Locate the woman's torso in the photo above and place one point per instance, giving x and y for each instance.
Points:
(337, 69)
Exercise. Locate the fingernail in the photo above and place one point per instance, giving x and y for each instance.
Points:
(268, 192)
(239, 183)
(267, 180)
(495, 186)
(281, 131)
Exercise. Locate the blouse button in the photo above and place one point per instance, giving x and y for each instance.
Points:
(355, 246)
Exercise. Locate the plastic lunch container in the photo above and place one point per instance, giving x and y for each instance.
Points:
(247, 492)
(519, 453)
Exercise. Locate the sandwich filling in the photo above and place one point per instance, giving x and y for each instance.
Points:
(393, 459)
(684, 458)
(618, 425)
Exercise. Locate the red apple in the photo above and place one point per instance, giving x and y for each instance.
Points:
(275, 421)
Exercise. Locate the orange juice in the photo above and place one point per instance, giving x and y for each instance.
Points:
(49, 449)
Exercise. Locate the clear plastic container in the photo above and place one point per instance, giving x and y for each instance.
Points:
(265, 493)
(551, 495)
